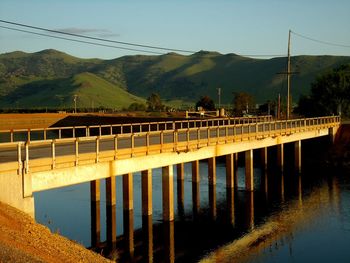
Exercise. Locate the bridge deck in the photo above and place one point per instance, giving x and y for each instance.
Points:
(99, 156)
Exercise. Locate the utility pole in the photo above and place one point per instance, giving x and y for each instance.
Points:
(288, 73)
(279, 107)
(288, 78)
(219, 94)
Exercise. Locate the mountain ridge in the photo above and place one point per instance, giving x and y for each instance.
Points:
(172, 75)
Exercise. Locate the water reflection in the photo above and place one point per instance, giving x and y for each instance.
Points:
(281, 203)
(278, 231)
(147, 238)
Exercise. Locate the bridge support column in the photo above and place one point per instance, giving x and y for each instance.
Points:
(111, 212)
(128, 213)
(297, 156)
(249, 170)
(212, 186)
(264, 157)
(146, 185)
(230, 171)
(195, 187)
(180, 168)
(95, 197)
(168, 193)
(280, 156)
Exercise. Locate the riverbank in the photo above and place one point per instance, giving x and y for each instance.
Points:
(340, 153)
(24, 240)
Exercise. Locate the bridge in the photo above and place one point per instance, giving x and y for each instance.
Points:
(41, 159)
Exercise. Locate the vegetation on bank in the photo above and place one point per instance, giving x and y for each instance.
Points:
(330, 94)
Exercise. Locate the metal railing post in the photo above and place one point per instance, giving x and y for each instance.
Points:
(97, 149)
(19, 158)
(76, 151)
(115, 147)
(27, 157)
(53, 154)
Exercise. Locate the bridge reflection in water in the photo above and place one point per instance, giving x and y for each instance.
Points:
(252, 218)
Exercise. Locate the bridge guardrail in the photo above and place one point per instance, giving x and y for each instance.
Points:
(85, 131)
(50, 154)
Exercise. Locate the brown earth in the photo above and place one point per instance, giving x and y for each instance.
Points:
(45, 120)
(24, 240)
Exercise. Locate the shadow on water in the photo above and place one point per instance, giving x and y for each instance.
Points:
(215, 224)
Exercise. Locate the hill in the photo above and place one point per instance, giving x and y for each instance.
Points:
(50, 78)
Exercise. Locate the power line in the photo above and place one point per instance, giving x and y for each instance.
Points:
(96, 38)
(320, 41)
(81, 41)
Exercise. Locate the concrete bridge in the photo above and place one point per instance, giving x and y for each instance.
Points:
(104, 152)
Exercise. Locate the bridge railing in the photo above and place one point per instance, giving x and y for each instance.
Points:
(43, 155)
(13, 135)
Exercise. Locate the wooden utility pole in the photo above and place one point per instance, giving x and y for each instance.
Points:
(288, 78)
(219, 94)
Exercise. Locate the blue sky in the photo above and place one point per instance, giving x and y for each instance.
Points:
(246, 27)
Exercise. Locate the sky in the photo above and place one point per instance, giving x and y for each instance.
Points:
(244, 27)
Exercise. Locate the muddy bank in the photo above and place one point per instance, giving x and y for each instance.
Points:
(23, 240)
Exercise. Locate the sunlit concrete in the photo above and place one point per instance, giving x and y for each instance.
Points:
(85, 173)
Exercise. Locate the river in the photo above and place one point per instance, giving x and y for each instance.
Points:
(288, 218)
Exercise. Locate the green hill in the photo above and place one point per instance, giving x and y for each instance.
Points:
(91, 91)
(50, 78)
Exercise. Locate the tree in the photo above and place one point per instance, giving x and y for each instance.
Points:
(243, 103)
(329, 94)
(154, 102)
(135, 106)
(206, 103)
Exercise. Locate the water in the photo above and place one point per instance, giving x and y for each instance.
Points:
(287, 219)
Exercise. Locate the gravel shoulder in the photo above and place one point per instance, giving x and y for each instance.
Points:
(24, 240)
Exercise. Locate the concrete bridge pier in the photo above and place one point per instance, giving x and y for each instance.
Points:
(128, 213)
(212, 186)
(111, 212)
(264, 152)
(146, 192)
(230, 171)
(95, 197)
(297, 156)
(195, 187)
(168, 193)
(249, 170)
(280, 156)
(180, 178)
